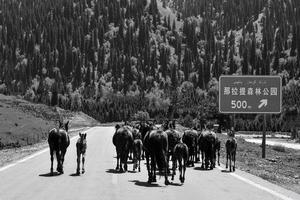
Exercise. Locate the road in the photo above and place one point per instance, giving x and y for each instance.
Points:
(29, 179)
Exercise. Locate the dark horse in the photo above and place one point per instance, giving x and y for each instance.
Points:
(143, 130)
(123, 141)
(174, 138)
(180, 154)
(81, 150)
(207, 145)
(156, 147)
(231, 146)
(190, 138)
(58, 140)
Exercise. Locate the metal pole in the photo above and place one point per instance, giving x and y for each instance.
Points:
(263, 145)
(234, 122)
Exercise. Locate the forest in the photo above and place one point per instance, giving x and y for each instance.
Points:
(113, 59)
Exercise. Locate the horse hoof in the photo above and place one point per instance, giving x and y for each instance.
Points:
(167, 182)
(83, 171)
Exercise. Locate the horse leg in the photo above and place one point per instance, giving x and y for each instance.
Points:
(118, 160)
(148, 167)
(125, 161)
(52, 159)
(153, 167)
(78, 163)
(227, 160)
(173, 167)
(207, 157)
(212, 160)
(83, 160)
(139, 163)
(184, 169)
(219, 157)
(233, 157)
(202, 159)
(230, 158)
(134, 161)
(59, 165)
(180, 170)
(166, 172)
(63, 153)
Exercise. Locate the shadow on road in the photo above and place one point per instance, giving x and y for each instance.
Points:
(144, 184)
(113, 171)
(74, 174)
(201, 169)
(49, 174)
(225, 171)
(175, 184)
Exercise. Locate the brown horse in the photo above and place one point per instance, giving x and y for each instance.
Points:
(174, 138)
(123, 141)
(190, 138)
(180, 154)
(81, 150)
(207, 146)
(156, 147)
(231, 146)
(58, 140)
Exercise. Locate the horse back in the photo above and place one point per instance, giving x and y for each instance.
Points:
(58, 139)
(123, 138)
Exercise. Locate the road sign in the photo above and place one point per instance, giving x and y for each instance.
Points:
(250, 94)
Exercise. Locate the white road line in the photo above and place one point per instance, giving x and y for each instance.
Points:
(281, 196)
(30, 157)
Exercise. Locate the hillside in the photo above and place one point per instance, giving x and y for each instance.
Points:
(111, 59)
(23, 123)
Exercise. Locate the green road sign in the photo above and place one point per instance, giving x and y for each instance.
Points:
(250, 94)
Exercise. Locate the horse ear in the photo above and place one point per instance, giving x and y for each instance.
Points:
(79, 134)
(117, 126)
(85, 136)
(59, 124)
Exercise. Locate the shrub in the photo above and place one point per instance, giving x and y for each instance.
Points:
(279, 148)
(141, 116)
(188, 121)
(29, 95)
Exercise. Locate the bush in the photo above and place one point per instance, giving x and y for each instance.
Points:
(279, 148)
(141, 116)
(188, 121)
(29, 95)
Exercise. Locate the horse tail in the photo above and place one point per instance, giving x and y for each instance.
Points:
(161, 161)
(161, 154)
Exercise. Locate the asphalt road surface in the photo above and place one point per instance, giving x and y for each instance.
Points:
(29, 179)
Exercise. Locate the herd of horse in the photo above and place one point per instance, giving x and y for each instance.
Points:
(161, 144)
(158, 145)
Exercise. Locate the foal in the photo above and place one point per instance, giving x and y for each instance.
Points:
(180, 153)
(137, 154)
(81, 149)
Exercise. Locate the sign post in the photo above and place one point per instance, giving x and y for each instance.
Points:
(251, 94)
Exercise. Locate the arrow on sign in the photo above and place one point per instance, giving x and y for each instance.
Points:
(263, 102)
